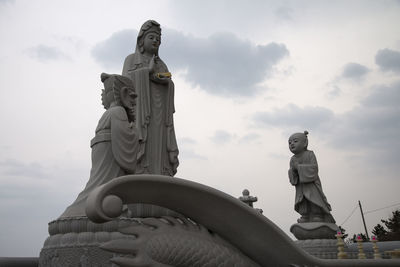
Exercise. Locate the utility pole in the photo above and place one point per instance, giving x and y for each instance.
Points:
(362, 216)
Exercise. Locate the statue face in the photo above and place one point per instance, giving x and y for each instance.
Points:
(128, 98)
(104, 99)
(151, 42)
(297, 143)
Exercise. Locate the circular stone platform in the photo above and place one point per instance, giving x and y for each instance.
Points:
(314, 230)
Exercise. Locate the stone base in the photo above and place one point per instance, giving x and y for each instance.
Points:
(320, 248)
(77, 241)
(165, 241)
(314, 230)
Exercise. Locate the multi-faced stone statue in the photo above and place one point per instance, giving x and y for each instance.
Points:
(115, 146)
(158, 152)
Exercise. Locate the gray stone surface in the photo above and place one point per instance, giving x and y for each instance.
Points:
(235, 222)
(321, 248)
(249, 200)
(314, 230)
(73, 239)
(310, 200)
(143, 98)
(158, 152)
(174, 242)
(115, 145)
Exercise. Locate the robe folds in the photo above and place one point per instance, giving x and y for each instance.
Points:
(307, 182)
(114, 153)
(158, 152)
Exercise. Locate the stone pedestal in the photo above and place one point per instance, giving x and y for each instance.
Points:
(317, 238)
(320, 248)
(77, 241)
(314, 230)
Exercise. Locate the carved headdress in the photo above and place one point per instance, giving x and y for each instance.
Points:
(113, 83)
(147, 27)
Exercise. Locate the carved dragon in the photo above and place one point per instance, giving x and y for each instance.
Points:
(247, 237)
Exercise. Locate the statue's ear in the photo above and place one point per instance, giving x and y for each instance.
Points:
(124, 95)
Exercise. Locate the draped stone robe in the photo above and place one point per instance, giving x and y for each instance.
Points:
(154, 120)
(308, 184)
(114, 152)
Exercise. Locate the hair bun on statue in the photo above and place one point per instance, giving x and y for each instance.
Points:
(104, 76)
(306, 133)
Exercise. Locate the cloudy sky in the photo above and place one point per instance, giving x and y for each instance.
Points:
(247, 74)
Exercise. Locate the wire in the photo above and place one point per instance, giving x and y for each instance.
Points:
(348, 217)
(370, 211)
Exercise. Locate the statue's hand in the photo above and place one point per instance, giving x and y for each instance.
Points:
(295, 166)
(156, 77)
(151, 64)
(293, 176)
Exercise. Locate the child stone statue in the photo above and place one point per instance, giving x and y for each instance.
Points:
(116, 144)
(310, 200)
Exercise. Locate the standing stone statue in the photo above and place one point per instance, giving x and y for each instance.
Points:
(158, 152)
(115, 146)
(249, 200)
(310, 200)
(246, 198)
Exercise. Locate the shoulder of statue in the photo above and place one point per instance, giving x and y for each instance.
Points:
(310, 153)
(131, 60)
(129, 57)
(119, 113)
(311, 157)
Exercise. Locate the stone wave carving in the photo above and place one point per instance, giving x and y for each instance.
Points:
(241, 226)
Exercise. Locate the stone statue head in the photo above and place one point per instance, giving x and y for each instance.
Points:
(149, 37)
(298, 142)
(120, 90)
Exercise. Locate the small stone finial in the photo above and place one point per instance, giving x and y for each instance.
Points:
(246, 198)
(340, 244)
(361, 254)
(249, 200)
(377, 254)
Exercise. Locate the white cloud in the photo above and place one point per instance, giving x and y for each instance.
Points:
(249, 138)
(46, 53)
(388, 60)
(294, 117)
(7, 2)
(221, 137)
(111, 52)
(222, 64)
(354, 71)
(14, 167)
(373, 126)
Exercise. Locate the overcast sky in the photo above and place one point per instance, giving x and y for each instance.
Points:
(247, 75)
